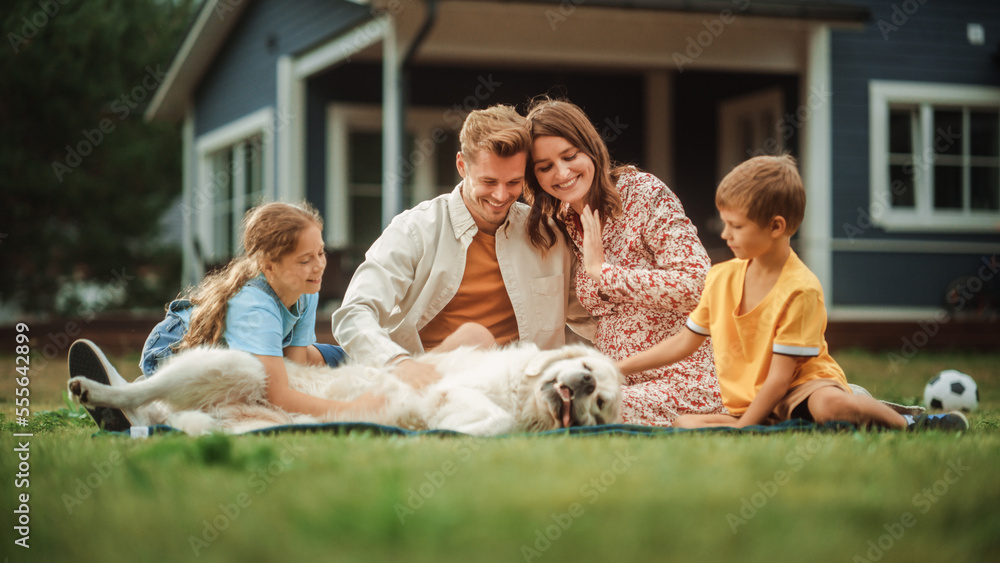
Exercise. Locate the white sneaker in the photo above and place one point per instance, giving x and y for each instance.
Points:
(87, 360)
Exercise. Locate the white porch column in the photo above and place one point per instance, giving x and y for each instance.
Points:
(816, 95)
(338, 208)
(392, 125)
(192, 269)
(336, 51)
(290, 133)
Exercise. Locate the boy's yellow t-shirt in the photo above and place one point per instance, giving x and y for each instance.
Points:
(790, 320)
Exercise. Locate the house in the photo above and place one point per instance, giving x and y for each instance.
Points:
(891, 106)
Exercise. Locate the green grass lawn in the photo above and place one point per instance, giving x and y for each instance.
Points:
(692, 497)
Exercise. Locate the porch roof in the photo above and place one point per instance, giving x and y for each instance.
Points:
(216, 20)
(796, 9)
(204, 38)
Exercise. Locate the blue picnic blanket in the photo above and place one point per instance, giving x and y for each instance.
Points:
(339, 428)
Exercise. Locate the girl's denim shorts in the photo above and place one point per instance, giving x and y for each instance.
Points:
(164, 337)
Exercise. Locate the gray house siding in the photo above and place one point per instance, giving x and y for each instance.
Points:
(926, 45)
(243, 77)
(900, 280)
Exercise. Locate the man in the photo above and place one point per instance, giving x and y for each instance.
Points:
(459, 269)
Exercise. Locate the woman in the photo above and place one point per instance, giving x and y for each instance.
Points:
(643, 265)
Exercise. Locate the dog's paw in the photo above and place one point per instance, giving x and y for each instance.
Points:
(78, 389)
(87, 391)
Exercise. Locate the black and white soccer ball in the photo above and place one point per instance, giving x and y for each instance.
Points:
(951, 390)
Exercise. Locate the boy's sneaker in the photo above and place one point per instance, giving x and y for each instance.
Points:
(949, 422)
(87, 360)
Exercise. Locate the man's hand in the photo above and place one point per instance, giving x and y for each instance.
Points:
(416, 374)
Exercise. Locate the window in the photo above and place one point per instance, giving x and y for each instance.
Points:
(354, 172)
(364, 189)
(935, 157)
(222, 205)
(238, 174)
(234, 174)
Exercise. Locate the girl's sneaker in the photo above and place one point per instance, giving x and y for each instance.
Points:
(948, 422)
(87, 360)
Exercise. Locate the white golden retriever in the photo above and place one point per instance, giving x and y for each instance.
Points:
(481, 392)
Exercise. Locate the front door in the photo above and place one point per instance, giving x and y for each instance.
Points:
(749, 126)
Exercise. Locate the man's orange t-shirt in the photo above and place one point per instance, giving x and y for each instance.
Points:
(482, 298)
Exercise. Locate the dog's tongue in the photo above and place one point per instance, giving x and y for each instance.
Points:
(566, 406)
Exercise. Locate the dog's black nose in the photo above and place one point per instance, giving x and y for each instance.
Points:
(582, 384)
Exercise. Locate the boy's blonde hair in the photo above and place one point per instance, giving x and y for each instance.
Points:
(499, 130)
(763, 188)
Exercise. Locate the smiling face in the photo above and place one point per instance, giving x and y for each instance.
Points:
(562, 170)
(491, 184)
(301, 270)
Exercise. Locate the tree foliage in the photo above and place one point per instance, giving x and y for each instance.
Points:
(84, 179)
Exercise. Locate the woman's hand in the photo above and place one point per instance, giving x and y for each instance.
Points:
(593, 244)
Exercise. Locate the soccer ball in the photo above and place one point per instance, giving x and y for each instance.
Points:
(951, 390)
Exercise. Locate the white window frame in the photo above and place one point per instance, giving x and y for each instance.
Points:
(342, 119)
(883, 95)
(208, 146)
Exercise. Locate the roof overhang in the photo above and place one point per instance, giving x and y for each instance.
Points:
(467, 33)
(796, 9)
(202, 42)
(624, 35)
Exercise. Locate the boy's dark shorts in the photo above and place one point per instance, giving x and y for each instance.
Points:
(794, 404)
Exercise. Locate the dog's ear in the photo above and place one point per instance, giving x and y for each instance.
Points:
(543, 359)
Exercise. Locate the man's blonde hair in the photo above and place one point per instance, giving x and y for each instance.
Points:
(763, 188)
(499, 130)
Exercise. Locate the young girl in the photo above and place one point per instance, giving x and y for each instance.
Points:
(643, 267)
(263, 302)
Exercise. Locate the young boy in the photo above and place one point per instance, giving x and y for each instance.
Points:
(764, 311)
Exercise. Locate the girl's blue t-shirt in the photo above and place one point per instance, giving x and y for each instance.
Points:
(258, 322)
